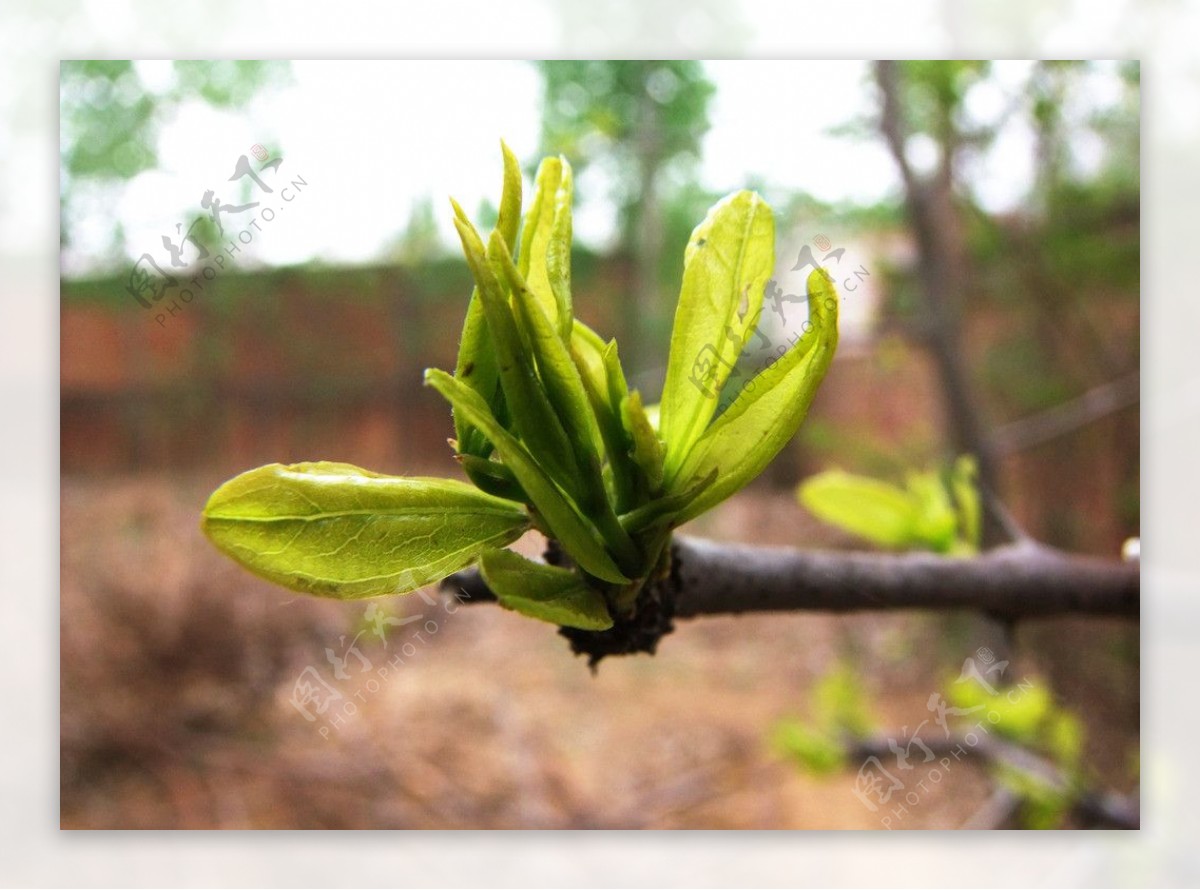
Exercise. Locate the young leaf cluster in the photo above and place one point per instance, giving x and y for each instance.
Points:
(938, 511)
(548, 431)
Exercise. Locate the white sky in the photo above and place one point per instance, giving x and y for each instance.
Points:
(373, 138)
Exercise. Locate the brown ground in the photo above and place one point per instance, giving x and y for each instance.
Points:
(177, 669)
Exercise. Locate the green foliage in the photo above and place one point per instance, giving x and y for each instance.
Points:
(1028, 715)
(225, 82)
(933, 511)
(1020, 713)
(934, 91)
(636, 118)
(727, 263)
(812, 750)
(109, 117)
(597, 106)
(840, 702)
(548, 431)
(839, 714)
(1025, 714)
(105, 118)
(1043, 805)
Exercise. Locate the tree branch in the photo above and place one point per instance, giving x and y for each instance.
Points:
(1095, 808)
(1015, 581)
(1023, 580)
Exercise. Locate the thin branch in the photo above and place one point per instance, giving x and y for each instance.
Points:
(1066, 418)
(890, 125)
(1004, 518)
(1021, 580)
(1103, 808)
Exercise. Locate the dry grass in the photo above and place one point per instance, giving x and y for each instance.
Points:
(177, 669)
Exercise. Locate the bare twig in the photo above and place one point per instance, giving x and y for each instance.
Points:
(1069, 416)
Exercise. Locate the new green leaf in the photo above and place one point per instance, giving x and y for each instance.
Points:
(878, 511)
(544, 592)
(491, 476)
(565, 390)
(664, 510)
(727, 263)
(530, 407)
(542, 236)
(647, 449)
(600, 372)
(937, 523)
(476, 364)
(508, 222)
(334, 530)
(919, 515)
(768, 411)
(557, 371)
(558, 252)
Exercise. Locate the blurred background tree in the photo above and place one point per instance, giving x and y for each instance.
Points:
(921, 106)
(111, 117)
(643, 122)
(1053, 269)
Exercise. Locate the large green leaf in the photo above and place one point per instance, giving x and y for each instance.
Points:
(727, 263)
(544, 592)
(332, 529)
(574, 532)
(768, 411)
